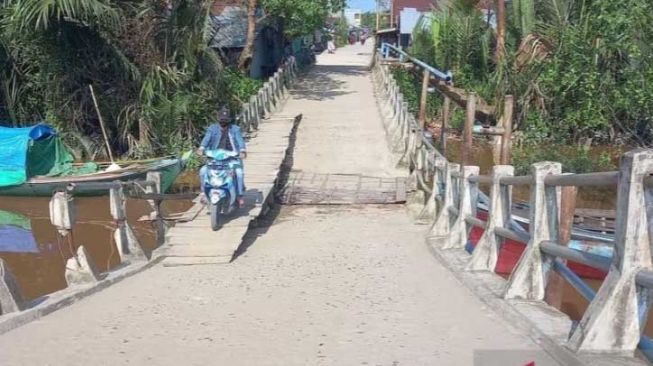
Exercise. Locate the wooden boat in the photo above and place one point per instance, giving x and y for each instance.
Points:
(45, 186)
(34, 162)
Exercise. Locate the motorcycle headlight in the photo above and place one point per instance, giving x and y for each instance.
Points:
(216, 181)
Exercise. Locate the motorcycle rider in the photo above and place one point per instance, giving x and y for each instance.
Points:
(225, 135)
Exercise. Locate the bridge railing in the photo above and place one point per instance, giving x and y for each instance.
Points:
(80, 268)
(475, 108)
(449, 199)
(269, 98)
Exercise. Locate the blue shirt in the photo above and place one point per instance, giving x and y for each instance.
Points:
(213, 135)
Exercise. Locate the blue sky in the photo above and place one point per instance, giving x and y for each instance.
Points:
(364, 5)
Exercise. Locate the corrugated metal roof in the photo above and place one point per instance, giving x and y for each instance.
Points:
(230, 28)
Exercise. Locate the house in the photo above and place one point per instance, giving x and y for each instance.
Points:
(406, 14)
(354, 17)
(229, 20)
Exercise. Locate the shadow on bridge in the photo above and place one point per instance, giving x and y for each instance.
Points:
(323, 84)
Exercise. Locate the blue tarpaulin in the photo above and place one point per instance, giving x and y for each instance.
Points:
(14, 146)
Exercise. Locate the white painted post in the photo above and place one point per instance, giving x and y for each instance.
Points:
(80, 269)
(442, 225)
(528, 280)
(417, 200)
(430, 208)
(459, 231)
(11, 299)
(409, 141)
(486, 253)
(255, 114)
(246, 121)
(159, 224)
(62, 212)
(263, 104)
(398, 140)
(612, 322)
(123, 235)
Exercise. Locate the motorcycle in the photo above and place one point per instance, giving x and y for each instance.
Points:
(220, 184)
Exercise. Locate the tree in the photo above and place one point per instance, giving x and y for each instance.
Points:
(248, 51)
(300, 17)
(157, 80)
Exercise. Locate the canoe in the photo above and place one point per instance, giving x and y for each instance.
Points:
(46, 186)
(35, 162)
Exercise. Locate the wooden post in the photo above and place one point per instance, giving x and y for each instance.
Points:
(424, 99)
(501, 31)
(445, 125)
(507, 130)
(467, 129)
(554, 289)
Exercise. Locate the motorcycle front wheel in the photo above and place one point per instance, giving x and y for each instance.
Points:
(216, 219)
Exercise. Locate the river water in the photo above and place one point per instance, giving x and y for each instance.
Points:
(36, 255)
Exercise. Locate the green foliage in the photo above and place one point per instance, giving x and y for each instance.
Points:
(341, 32)
(368, 20)
(157, 81)
(573, 160)
(409, 88)
(302, 17)
(580, 70)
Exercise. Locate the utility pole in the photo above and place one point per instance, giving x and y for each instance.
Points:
(378, 15)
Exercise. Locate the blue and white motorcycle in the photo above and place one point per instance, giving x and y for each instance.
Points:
(220, 184)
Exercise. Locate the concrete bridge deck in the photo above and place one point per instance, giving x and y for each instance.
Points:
(352, 285)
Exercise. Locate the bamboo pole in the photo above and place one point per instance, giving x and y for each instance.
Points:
(467, 129)
(104, 131)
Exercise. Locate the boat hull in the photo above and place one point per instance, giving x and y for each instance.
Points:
(169, 168)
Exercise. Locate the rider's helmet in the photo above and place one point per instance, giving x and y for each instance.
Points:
(224, 116)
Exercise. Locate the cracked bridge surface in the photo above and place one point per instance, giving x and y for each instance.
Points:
(318, 285)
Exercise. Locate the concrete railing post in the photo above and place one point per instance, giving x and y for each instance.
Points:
(398, 141)
(486, 253)
(409, 143)
(459, 231)
(159, 224)
(256, 117)
(417, 201)
(616, 317)
(80, 269)
(11, 299)
(123, 235)
(62, 212)
(528, 280)
(442, 225)
(395, 120)
(430, 207)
